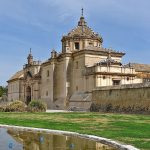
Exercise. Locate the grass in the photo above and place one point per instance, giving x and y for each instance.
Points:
(129, 129)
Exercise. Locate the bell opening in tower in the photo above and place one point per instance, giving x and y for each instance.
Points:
(76, 45)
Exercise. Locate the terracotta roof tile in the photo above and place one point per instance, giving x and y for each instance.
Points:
(140, 67)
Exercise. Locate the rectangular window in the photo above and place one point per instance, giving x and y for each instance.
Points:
(90, 44)
(116, 82)
(76, 45)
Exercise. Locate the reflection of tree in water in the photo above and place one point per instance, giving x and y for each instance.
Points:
(44, 141)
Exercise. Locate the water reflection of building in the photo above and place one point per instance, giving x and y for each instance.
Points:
(100, 146)
(7, 142)
(43, 141)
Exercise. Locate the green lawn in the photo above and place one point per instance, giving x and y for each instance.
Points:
(129, 129)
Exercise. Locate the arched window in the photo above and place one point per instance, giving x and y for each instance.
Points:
(28, 95)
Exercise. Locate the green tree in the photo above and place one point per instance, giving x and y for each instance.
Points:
(2, 90)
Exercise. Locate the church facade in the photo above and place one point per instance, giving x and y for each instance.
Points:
(82, 65)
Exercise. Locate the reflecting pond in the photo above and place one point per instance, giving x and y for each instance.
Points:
(16, 139)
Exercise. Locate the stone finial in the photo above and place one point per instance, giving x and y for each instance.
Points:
(109, 55)
(53, 53)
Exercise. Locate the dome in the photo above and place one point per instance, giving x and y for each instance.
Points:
(83, 31)
(80, 38)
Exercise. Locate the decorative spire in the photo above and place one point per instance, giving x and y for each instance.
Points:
(30, 51)
(82, 12)
(82, 21)
(30, 58)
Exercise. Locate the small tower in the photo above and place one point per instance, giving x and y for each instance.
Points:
(30, 58)
(53, 54)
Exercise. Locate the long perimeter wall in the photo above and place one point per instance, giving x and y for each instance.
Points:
(125, 98)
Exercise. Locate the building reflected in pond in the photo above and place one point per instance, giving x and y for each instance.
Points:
(44, 141)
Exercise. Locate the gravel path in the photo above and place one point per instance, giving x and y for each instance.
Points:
(49, 110)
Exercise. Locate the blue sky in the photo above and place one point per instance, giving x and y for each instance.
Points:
(40, 24)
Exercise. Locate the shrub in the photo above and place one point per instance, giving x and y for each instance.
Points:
(16, 106)
(2, 108)
(36, 106)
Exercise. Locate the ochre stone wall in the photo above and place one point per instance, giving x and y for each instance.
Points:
(126, 98)
(47, 84)
(13, 90)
